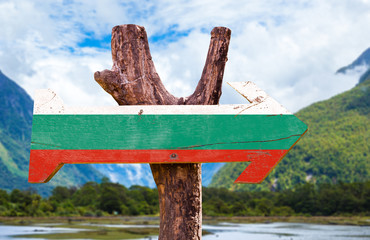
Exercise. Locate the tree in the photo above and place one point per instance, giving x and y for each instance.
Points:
(60, 193)
(133, 80)
(86, 195)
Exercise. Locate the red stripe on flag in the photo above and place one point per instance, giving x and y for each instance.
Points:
(45, 163)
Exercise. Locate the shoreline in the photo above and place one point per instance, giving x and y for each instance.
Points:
(207, 220)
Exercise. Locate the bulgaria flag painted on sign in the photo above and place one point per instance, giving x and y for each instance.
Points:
(261, 132)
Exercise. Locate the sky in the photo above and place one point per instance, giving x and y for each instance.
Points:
(291, 49)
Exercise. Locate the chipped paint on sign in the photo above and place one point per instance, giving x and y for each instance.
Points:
(261, 132)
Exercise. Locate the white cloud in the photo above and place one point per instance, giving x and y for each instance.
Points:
(114, 177)
(290, 49)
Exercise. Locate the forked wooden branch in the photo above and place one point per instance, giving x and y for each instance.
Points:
(133, 80)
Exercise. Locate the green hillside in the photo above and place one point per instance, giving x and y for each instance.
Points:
(15, 137)
(335, 148)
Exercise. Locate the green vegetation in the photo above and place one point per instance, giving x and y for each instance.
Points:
(92, 199)
(306, 199)
(335, 148)
(15, 138)
(108, 199)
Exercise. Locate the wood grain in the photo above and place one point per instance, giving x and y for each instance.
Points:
(133, 80)
(46, 101)
(173, 134)
(261, 132)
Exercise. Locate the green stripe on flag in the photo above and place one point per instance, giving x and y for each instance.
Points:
(165, 131)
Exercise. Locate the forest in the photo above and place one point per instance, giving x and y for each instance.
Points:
(107, 199)
(335, 147)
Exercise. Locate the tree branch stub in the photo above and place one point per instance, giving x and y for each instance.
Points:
(133, 80)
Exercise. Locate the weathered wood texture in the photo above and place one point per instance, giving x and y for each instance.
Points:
(133, 80)
(261, 132)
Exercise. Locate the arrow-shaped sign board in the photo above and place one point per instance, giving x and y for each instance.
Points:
(261, 132)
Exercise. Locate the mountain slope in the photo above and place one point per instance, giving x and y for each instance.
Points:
(335, 148)
(363, 59)
(140, 174)
(365, 76)
(15, 137)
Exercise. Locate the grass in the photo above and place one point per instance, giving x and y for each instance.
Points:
(72, 222)
(99, 233)
(76, 221)
(332, 220)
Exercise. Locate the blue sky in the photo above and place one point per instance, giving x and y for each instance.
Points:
(291, 49)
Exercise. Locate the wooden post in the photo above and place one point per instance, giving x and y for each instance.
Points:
(133, 80)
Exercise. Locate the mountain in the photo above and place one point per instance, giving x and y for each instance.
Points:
(140, 174)
(15, 137)
(208, 171)
(365, 76)
(362, 60)
(335, 148)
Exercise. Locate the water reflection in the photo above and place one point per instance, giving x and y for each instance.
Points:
(286, 231)
(272, 231)
(9, 232)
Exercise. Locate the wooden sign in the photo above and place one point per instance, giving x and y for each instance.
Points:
(261, 132)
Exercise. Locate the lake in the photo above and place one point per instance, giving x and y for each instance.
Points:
(270, 231)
